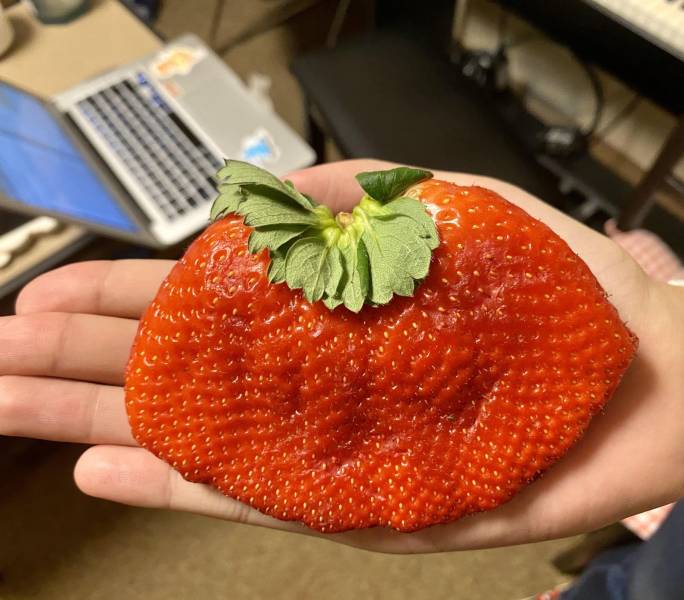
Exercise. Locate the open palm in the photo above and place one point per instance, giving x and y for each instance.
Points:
(63, 358)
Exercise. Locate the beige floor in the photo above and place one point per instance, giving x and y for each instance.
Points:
(57, 544)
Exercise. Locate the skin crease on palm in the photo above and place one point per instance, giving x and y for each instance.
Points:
(63, 359)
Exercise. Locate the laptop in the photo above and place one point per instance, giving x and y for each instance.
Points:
(133, 153)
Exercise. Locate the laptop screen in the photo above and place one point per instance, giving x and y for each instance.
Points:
(41, 167)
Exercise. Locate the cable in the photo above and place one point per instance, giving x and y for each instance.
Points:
(598, 96)
(504, 45)
(619, 116)
(564, 141)
(522, 40)
(502, 30)
(337, 23)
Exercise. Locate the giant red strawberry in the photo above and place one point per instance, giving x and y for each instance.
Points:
(416, 360)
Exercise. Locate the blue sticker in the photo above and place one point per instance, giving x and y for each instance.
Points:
(259, 148)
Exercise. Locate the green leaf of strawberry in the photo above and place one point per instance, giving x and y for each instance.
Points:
(276, 269)
(242, 174)
(313, 266)
(273, 237)
(382, 248)
(396, 244)
(384, 186)
(355, 282)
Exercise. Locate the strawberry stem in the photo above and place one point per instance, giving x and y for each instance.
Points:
(382, 248)
(344, 220)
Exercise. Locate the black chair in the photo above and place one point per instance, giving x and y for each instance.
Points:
(394, 94)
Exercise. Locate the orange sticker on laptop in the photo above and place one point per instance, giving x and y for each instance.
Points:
(178, 60)
(172, 88)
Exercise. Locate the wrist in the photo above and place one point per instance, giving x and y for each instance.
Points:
(666, 312)
(671, 300)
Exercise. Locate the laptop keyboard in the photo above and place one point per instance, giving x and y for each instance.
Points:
(175, 169)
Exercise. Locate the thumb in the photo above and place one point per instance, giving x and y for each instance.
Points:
(334, 184)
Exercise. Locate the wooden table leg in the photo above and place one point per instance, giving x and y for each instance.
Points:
(216, 19)
(643, 196)
(314, 132)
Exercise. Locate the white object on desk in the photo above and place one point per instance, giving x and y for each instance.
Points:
(660, 21)
(19, 239)
(6, 32)
(259, 87)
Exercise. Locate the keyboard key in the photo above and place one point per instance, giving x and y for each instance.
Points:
(162, 154)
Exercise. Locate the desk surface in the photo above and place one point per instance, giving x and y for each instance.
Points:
(47, 59)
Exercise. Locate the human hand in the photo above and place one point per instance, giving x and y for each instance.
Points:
(62, 374)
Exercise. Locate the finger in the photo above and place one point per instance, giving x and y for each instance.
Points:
(63, 411)
(134, 476)
(66, 345)
(334, 184)
(121, 288)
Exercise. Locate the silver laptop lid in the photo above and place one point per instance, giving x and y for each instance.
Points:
(199, 85)
(205, 97)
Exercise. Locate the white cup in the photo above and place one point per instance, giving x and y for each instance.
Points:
(6, 32)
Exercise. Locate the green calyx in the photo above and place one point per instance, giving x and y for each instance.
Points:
(381, 248)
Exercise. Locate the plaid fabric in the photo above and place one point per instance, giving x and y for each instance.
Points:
(553, 594)
(652, 254)
(646, 524)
